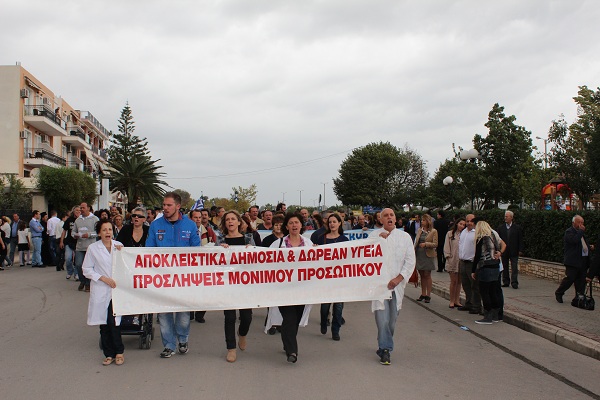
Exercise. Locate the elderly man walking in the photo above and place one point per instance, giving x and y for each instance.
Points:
(401, 268)
(576, 258)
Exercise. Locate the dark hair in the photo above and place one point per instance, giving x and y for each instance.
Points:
(279, 207)
(195, 210)
(278, 219)
(442, 213)
(176, 197)
(249, 227)
(319, 219)
(340, 228)
(455, 227)
(98, 226)
(254, 206)
(289, 216)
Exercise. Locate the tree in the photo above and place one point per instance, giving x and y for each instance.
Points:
(13, 194)
(132, 170)
(587, 126)
(65, 187)
(381, 175)
(568, 158)
(506, 157)
(138, 178)
(125, 144)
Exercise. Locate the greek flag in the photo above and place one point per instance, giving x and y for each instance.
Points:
(198, 205)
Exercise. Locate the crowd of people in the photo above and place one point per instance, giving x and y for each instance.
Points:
(479, 260)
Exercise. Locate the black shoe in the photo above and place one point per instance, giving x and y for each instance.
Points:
(292, 358)
(464, 308)
(335, 336)
(384, 357)
(183, 348)
(81, 286)
(475, 312)
(272, 330)
(167, 353)
(421, 298)
(323, 329)
(427, 299)
(505, 285)
(515, 285)
(558, 297)
(201, 320)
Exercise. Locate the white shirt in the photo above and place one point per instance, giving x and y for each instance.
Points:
(52, 222)
(402, 262)
(98, 262)
(466, 245)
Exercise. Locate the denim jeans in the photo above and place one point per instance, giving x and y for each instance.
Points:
(14, 243)
(386, 322)
(69, 259)
(79, 256)
(336, 316)
(174, 327)
(53, 246)
(36, 258)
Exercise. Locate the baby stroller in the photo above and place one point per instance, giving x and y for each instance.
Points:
(141, 325)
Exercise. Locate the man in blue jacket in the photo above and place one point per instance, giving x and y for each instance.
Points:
(173, 230)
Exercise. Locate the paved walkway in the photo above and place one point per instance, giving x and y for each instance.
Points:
(533, 307)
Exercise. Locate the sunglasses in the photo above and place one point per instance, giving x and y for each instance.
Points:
(137, 216)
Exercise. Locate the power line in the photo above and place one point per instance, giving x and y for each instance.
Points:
(259, 171)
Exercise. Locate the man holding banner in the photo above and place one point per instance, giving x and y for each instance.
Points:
(402, 263)
(173, 231)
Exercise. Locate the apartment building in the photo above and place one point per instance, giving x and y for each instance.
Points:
(40, 129)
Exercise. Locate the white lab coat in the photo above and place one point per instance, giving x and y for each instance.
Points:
(98, 262)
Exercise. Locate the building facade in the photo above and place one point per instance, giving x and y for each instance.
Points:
(39, 129)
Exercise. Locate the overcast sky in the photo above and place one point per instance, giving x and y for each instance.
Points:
(277, 93)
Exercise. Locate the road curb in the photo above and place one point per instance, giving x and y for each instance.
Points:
(561, 337)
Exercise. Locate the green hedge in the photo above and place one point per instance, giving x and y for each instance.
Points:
(543, 230)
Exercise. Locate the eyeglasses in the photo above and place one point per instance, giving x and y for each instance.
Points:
(137, 216)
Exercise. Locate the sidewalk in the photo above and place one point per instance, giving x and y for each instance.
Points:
(533, 308)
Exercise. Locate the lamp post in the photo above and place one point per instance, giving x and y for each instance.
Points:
(545, 151)
(300, 190)
(470, 156)
(448, 182)
(324, 183)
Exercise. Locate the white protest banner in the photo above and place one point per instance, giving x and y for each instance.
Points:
(167, 279)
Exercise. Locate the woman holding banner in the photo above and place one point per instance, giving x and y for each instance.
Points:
(231, 226)
(97, 266)
(293, 227)
(334, 233)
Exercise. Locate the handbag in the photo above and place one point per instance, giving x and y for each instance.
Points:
(414, 278)
(583, 300)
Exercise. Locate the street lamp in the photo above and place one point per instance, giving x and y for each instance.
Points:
(300, 190)
(447, 182)
(545, 151)
(470, 156)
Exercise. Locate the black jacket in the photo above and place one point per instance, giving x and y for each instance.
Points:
(574, 248)
(514, 241)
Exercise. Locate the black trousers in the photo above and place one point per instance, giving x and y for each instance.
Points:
(230, 317)
(289, 327)
(490, 294)
(110, 336)
(574, 275)
(441, 259)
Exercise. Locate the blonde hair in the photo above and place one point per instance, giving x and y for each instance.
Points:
(427, 217)
(482, 229)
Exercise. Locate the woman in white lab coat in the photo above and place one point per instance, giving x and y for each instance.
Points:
(97, 266)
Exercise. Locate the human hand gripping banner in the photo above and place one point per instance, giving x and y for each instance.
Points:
(168, 279)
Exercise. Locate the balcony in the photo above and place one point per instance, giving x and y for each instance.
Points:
(41, 157)
(100, 153)
(77, 138)
(89, 120)
(45, 120)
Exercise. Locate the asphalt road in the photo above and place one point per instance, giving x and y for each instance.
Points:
(48, 352)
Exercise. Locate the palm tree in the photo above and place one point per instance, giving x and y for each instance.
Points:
(138, 177)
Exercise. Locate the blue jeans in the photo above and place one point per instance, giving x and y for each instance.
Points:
(336, 316)
(174, 329)
(79, 256)
(69, 258)
(386, 322)
(14, 243)
(36, 257)
(52, 244)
